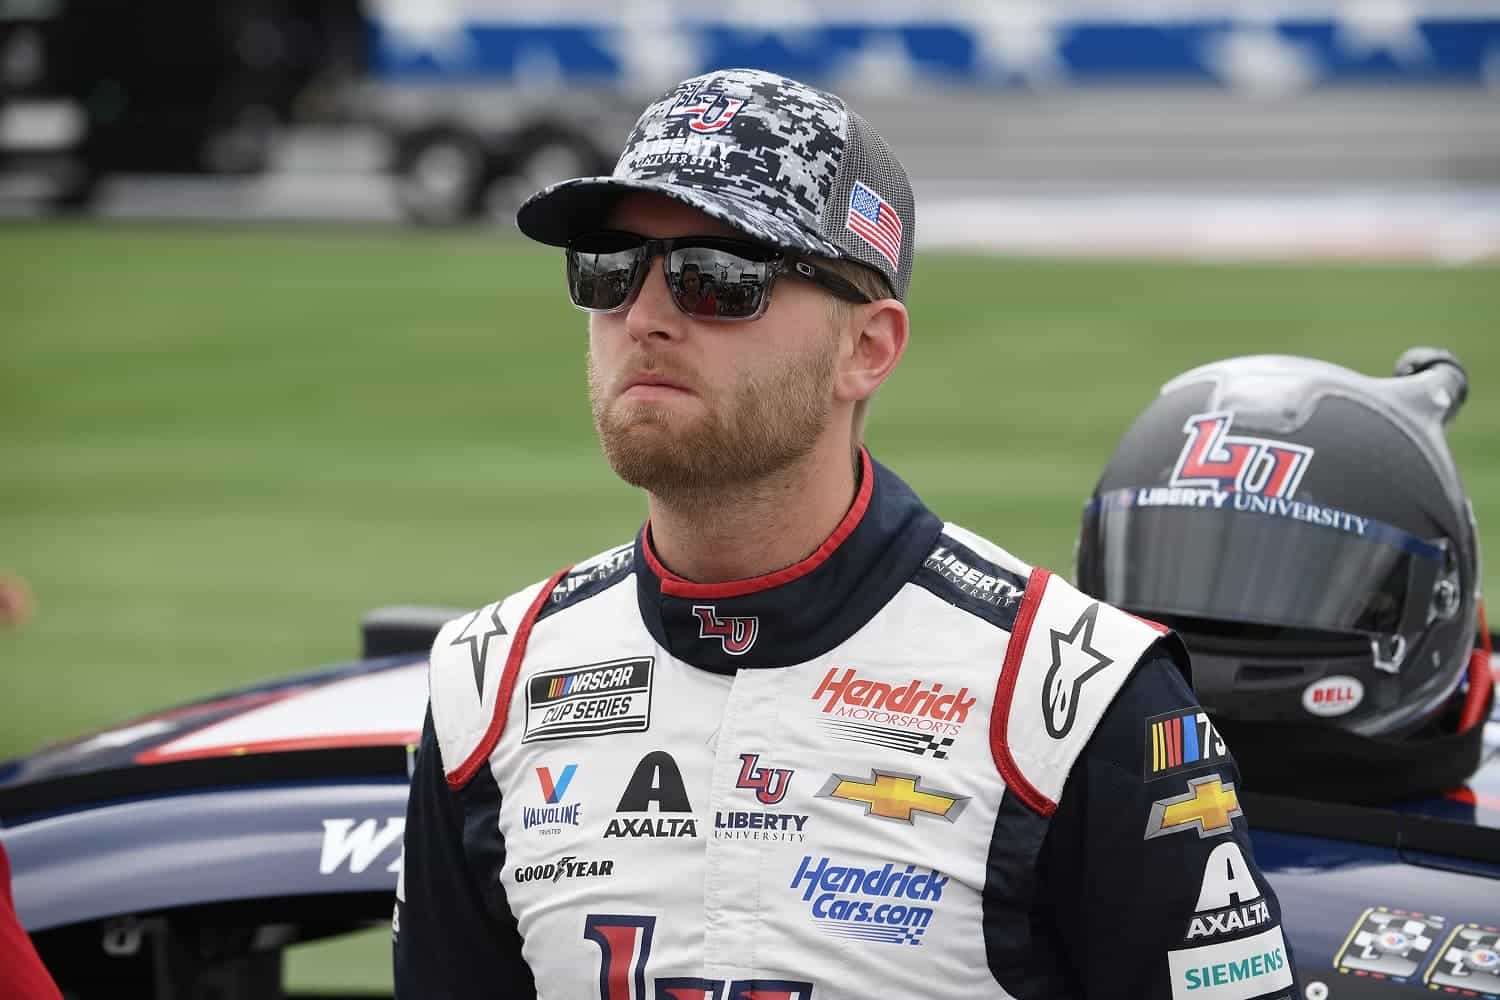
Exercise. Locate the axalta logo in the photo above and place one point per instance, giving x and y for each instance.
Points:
(1333, 696)
(360, 843)
(707, 110)
(869, 904)
(1229, 901)
(570, 867)
(735, 634)
(854, 697)
(655, 788)
(1211, 457)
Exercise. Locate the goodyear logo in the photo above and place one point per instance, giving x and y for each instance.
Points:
(894, 796)
(1181, 740)
(1208, 807)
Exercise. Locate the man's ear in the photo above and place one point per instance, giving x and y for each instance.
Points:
(874, 340)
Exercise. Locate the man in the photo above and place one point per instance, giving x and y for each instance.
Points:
(800, 737)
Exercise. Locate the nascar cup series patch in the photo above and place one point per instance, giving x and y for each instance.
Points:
(612, 697)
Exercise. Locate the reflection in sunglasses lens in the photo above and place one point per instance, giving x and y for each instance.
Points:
(711, 282)
(601, 280)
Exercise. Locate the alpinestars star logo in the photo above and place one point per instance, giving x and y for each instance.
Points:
(736, 635)
(1074, 661)
(478, 635)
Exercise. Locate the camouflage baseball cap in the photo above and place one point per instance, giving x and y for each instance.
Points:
(785, 163)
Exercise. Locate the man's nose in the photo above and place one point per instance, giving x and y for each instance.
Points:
(653, 314)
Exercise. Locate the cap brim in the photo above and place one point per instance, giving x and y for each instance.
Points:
(559, 213)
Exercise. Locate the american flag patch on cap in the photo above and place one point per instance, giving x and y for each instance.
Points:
(873, 220)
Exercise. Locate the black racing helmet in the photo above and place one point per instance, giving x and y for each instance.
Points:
(1305, 530)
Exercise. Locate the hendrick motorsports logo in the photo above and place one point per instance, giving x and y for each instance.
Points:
(593, 700)
(869, 904)
(915, 717)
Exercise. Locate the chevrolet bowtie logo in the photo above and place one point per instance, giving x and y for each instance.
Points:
(893, 795)
(1208, 806)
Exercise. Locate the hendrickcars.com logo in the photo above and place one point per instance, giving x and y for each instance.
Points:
(869, 904)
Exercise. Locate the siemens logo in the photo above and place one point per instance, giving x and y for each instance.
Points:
(1233, 970)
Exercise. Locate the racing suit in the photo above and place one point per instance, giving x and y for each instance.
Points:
(22, 974)
(908, 766)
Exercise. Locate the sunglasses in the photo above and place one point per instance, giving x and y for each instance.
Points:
(709, 277)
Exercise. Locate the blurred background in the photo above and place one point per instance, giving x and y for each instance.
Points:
(272, 354)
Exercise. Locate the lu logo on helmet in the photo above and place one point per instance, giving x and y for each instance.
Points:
(1212, 458)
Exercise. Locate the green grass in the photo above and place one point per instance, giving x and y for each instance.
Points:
(217, 449)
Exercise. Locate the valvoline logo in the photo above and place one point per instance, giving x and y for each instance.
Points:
(555, 814)
(1213, 458)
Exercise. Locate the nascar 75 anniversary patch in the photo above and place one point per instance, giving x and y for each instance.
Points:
(1181, 740)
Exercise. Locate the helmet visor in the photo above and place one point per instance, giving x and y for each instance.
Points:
(1242, 557)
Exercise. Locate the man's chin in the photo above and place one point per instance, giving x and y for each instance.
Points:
(658, 457)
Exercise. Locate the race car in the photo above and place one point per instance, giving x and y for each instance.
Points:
(179, 854)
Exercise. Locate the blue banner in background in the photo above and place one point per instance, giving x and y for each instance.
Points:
(998, 45)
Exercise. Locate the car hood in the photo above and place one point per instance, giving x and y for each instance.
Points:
(351, 719)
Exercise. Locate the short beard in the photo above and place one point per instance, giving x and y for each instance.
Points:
(761, 427)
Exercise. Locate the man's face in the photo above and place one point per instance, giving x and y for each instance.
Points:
(690, 282)
(684, 405)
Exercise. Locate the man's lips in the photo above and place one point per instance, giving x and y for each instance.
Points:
(649, 384)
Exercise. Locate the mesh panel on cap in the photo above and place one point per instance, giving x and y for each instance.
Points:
(868, 159)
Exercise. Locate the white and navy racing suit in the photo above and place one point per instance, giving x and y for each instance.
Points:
(907, 766)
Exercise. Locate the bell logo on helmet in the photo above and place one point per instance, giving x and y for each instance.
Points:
(1332, 696)
(1211, 457)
